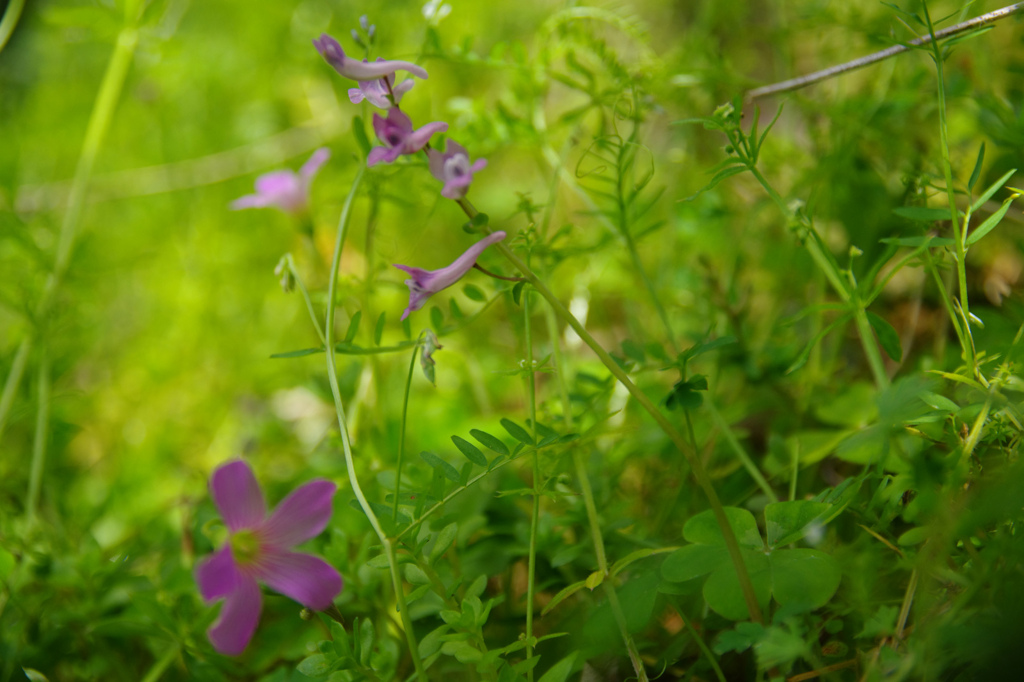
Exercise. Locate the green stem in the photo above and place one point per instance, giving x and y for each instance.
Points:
(587, 493)
(305, 297)
(332, 376)
(162, 663)
(14, 379)
(823, 259)
(703, 480)
(401, 429)
(979, 424)
(875, 362)
(700, 640)
(531, 578)
(620, 621)
(99, 123)
(42, 431)
(959, 235)
(448, 498)
(745, 459)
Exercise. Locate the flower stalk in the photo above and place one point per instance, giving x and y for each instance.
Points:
(332, 375)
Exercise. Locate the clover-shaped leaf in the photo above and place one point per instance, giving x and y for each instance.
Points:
(801, 578)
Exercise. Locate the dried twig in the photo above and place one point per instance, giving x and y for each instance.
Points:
(817, 76)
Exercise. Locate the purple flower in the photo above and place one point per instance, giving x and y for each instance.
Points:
(258, 550)
(376, 91)
(425, 283)
(397, 134)
(453, 169)
(330, 49)
(285, 189)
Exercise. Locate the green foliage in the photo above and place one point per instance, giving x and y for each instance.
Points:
(819, 302)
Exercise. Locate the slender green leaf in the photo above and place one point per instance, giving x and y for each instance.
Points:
(378, 331)
(517, 431)
(517, 291)
(922, 213)
(887, 336)
(449, 472)
(353, 327)
(359, 130)
(473, 292)
(562, 595)
(444, 540)
(918, 241)
(297, 353)
(976, 173)
(991, 190)
(471, 451)
(990, 222)
(490, 442)
(559, 672)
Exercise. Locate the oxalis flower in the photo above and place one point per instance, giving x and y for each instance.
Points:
(285, 189)
(376, 91)
(425, 283)
(454, 170)
(330, 50)
(259, 550)
(397, 134)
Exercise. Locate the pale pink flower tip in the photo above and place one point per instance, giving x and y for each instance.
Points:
(285, 189)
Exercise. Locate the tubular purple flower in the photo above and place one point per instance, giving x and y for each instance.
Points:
(259, 550)
(454, 170)
(330, 50)
(285, 189)
(397, 134)
(376, 91)
(425, 283)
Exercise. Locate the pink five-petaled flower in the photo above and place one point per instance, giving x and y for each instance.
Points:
(425, 283)
(259, 550)
(376, 91)
(330, 50)
(453, 169)
(285, 189)
(397, 134)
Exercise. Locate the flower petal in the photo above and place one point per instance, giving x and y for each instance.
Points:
(379, 154)
(307, 579)
(250, 201)
(355, 95)
(456, 187)
(417, 140)
(437, 280)
(300, 516)
(330, 49)
(436, 162)
(455, 148)
(217, 575)
(238, 619)
(396, 119)
(278, 183)
(367, 70)
(310, 168)
(402, 88)
(237, 495)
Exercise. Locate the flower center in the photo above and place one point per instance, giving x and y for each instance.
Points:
(457, 166)
(394, 139)
(245, 546)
